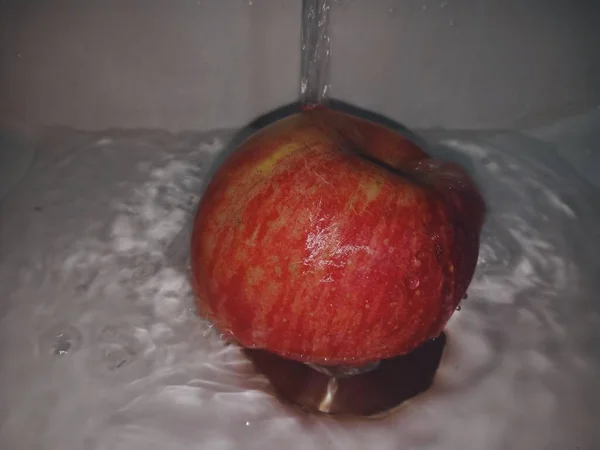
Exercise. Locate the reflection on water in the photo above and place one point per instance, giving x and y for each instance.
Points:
(100, 347)
(388, 385)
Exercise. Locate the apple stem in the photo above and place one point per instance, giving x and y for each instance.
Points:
(314, 77)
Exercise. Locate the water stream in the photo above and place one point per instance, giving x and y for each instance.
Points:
(315, 52)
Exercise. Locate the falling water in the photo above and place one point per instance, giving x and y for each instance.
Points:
(314, 78)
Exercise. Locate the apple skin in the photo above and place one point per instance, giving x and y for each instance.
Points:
(329, 239)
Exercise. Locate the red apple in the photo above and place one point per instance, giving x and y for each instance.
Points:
(329, 239)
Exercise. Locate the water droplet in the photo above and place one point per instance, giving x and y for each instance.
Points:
(60, 340)
(227, 337)
(458, 308)
(247, 424)
(464, 297)
(413, 282)
(417, 260)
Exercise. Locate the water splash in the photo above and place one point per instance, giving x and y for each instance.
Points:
(112, 252)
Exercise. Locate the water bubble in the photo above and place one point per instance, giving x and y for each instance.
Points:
(60, 340)
(458, 308)
(464, 297)
(413, 282)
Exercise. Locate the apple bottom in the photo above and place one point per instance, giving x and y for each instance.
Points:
(363, 391)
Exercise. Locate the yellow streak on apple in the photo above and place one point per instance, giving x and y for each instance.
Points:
(266, 166)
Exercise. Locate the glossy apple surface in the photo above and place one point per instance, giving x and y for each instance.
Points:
(329, 239)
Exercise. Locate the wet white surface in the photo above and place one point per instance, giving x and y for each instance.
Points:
(100, 348)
